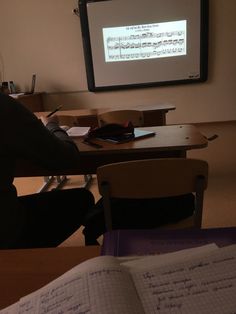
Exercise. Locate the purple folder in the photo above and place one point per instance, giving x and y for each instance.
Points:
(154, 241)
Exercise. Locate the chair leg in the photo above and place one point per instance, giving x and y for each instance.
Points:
(106, 205)
(200, 186)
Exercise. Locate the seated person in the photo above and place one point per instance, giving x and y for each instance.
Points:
(44, 219)
(138, 214)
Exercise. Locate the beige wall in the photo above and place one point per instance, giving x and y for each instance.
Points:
(44, 37)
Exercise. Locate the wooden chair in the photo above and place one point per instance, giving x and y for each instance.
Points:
(121, 116)
(153, 178)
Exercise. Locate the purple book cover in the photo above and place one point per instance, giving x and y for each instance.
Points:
(154, 241)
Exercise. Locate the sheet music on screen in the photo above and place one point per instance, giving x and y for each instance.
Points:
(136, 43)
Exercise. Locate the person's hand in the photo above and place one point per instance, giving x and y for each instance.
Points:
(53, 119)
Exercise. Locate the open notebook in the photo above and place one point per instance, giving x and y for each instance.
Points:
(200, 280)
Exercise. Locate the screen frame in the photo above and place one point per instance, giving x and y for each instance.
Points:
(88, 58)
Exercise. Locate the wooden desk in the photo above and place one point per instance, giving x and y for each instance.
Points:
(34, 102)
(24, 271)
(153, 114)
(169, 141)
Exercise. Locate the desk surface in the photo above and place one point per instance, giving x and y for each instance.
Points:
(167, 138)
(169, 141)
(152, 114)
(24, 271)
(96, 111)
(34, 102)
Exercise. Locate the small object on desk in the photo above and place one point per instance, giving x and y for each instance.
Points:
(54, 111)
(213, 137)
(16, 95)
(112, 129)
(90, 143)
(32, 85)
(12, 87)
(5, 88)
(124, 138)
(118, 133)
(78, 131)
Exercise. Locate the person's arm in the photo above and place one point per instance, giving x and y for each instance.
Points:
(25, 136)
(52, 124)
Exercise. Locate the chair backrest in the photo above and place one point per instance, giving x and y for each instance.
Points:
(121, 116)
(153, 178)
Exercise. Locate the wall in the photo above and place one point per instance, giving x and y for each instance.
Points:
(44, 37)
(220, 153)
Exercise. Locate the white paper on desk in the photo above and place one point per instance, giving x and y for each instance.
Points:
(78, 131)
(79, 291)
(203, 284)
(169, 258)
(16, 95)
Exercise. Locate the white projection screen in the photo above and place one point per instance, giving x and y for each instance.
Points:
(136, 43)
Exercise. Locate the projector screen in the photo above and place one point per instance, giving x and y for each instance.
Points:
(134, 43)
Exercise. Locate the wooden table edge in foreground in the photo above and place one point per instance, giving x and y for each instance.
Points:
(24, 271)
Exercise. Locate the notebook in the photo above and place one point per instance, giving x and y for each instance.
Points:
(118, 139)
(202, 280)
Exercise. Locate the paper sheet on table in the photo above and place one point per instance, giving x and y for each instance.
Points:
(169, 258)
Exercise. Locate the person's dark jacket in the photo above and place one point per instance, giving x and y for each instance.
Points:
(23, 136)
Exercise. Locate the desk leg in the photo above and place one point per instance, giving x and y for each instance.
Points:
(48, 180)
(87, 180)
(61, 180)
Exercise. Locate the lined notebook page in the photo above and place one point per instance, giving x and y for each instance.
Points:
(169, 258)
(96, 286)
(203, 285)
(12, 309)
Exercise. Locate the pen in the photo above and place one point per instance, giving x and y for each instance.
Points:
(55, 110)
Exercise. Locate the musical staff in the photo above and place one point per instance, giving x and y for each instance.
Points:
(126, 43)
